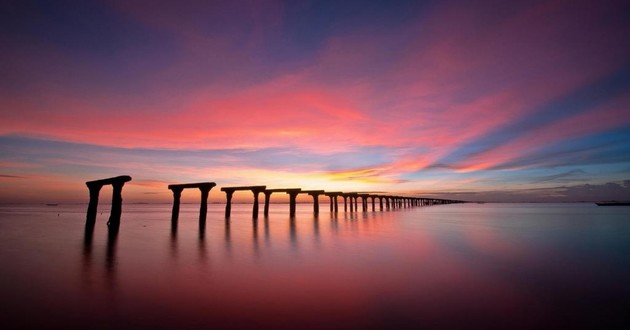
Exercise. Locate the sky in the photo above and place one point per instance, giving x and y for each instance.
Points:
(473, 100)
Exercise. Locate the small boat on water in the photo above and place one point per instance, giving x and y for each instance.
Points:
(613, 204)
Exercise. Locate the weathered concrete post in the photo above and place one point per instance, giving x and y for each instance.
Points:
(116, 210)
(373, 203)
(228, 203)
(315, 194)
(203, 208)
(345, 202)
(229, 191)
(255, 208)
(177, 189)
(267, 199)
(177, 194)
(380, 202)
(93, 205)
(334, 201)
(292, 198)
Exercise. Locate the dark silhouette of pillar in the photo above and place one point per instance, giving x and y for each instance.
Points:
(229, 191)
(204, 188)
(373, 203)
(387, 202)
(334, 202)
(177, 194)
(203, 208)
(380, 202)
(345, 203)
(228, 203)
(292, 198)
(93, 205)
(255, 208)
(267, 199)
(315, 194)
(116, 210)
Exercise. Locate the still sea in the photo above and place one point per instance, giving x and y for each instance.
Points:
(463, 266)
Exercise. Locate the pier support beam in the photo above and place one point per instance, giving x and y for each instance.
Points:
(204, 188)
(229, 191)
(334, 203)
(95, 187)
(315, 194)
(292, 192)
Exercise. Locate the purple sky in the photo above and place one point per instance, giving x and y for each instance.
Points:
(475, 100)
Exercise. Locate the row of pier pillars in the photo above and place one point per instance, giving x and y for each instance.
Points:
(350, 200)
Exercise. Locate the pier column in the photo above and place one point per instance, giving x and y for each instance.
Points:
(380, 202)
(332, 207)
(315, 203)
(93, 205)
(177, 194)
(336, 204)
(356, 203)
(203, 209)
(267, 199)
(255, 208)
(373, 203)
(114, 216)
(345, 203)
(292, 197)
(228, 203)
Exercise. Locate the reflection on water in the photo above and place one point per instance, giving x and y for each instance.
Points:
(485, 265)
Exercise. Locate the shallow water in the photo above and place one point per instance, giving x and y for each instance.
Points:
(464, 266)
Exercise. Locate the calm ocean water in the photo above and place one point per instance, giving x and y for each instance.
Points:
(452, 266)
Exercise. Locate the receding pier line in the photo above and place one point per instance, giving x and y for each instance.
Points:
(292, 192)
(95, 188)
(177, 189)
(229, 191)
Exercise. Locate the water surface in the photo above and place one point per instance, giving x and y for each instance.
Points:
(464, 266)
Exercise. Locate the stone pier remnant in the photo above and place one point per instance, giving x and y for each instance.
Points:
(292, 192)
(315, 194)
(177, 189)
(334, 205)
(229, 191)
(95, 187)
(364, 201)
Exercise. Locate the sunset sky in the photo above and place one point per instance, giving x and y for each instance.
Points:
(473, 100)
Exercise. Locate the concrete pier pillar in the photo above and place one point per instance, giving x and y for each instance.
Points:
(345, 203)
(380, 202)
(114, 216)
(177, 194)
(387, 202)
(255, 208)
(315, 194)
(267, 199)
(229, 191)
(94, 187)
(93, 205)
(315, 203)
(203, 208)
(334, 201)
(228, 203)
(331, 204)
(292, 198)
(373, 203)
